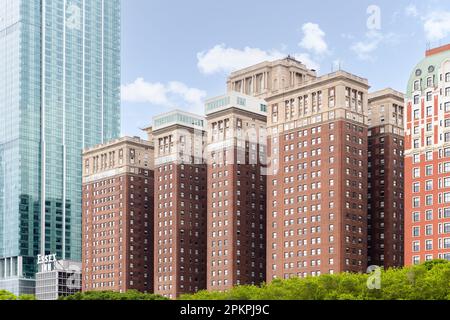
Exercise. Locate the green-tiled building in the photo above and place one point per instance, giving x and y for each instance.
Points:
(59, 93)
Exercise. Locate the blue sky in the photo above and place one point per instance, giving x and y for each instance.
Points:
(175, 53)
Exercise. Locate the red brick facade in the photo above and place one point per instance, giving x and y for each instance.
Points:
(180, 229)
(118, 217)
(180, 204)
(317, 210)
(236, 194)
(386, 202)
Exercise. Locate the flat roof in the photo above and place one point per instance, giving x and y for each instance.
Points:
(236, 100)
(135, 140)
(179, 117)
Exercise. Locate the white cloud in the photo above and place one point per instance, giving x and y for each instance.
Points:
(190, 95)
(223, 59)
(141, 91)
(411, 11)
(172, 94)
(364, 49)
(437, 25)
(313, 38)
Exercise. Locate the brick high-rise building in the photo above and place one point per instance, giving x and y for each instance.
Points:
(427, 162)
(317, 183)
(118, 216)
(386, 179)
(236, 191)
(180, 203)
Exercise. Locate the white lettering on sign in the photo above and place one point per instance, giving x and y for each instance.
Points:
(51, 258)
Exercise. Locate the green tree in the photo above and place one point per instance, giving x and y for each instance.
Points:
(429, 281)
(6, 295)
(109, 295)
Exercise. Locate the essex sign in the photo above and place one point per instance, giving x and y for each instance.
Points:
(46, 262)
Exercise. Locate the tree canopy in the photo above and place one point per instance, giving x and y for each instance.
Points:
(6, 295)
(109, 295)
(429, 281)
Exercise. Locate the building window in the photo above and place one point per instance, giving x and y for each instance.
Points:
(429, 230)
(447, 106)
(447, 197)
(429, 200)
(447, 182)
(447, 137)
(447, 167)
(446, 227)
(416, 202)
(447, 243)
(446, 213)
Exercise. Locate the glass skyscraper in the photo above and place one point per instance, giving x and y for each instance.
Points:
(59, 93)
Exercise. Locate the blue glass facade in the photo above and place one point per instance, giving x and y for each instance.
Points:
(59, 93)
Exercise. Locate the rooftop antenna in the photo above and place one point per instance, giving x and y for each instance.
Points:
(336, 66)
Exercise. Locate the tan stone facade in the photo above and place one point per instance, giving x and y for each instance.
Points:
(118, 216)
(268, 78)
